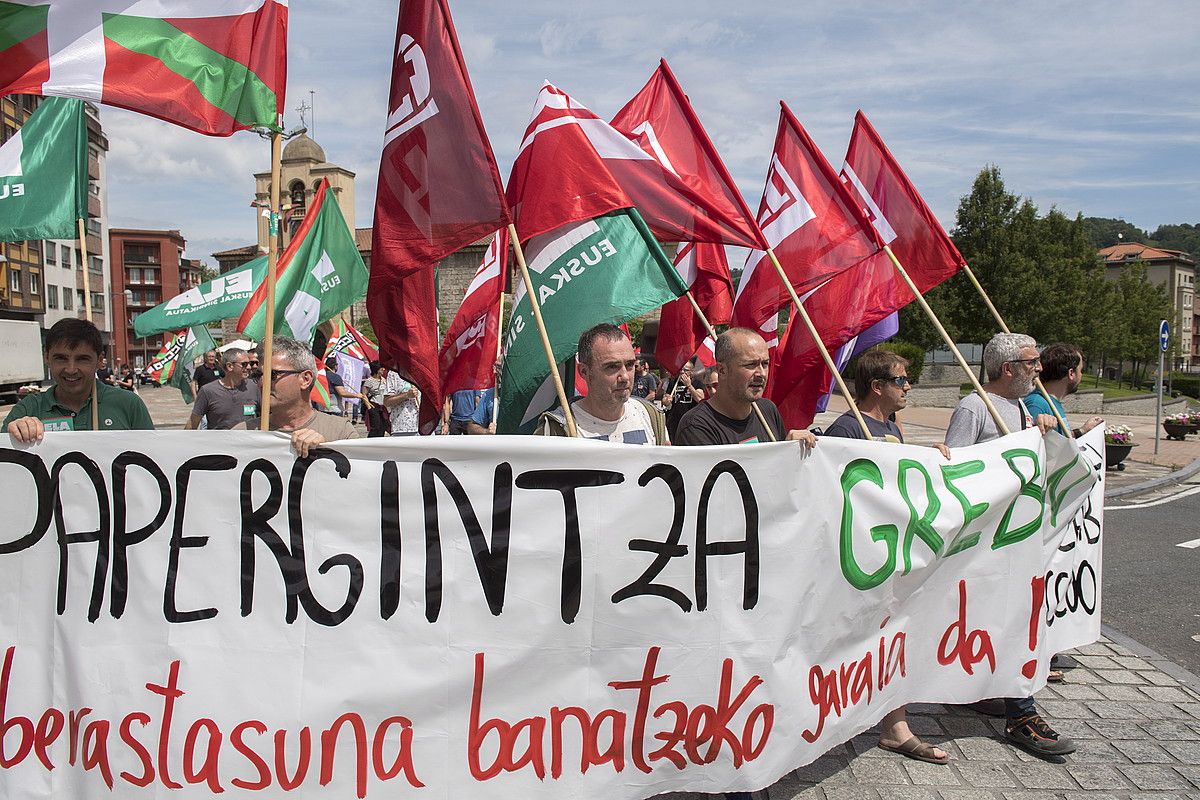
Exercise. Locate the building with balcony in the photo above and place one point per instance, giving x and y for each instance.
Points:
(149, 268)
(1174, 270)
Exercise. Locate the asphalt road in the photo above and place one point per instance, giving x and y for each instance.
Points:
(1152, 572)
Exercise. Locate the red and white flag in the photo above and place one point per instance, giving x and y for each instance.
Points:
(439, 190)
(681, 332)
(813, 224)
(857, 299)
(469, 348)
(345, 338)
(572, 166)
(214, 66)
(897, 211)
(661, 120)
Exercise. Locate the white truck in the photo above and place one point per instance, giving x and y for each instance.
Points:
(20, 356)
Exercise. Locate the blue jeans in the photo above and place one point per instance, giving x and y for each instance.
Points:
(1017, 707)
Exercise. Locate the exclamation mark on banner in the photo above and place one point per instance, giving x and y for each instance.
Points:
(1038, 586)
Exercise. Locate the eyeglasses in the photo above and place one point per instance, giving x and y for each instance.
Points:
(283, 373)
(899, 380)
(1029, 362)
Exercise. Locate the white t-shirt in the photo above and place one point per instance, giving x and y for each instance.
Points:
(634, 426)
(405, 416)
(971, 422)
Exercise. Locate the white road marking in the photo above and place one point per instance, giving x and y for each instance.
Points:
(1192, 545)
(1172, 498)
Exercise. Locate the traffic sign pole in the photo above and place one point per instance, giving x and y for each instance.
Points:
(1164, 341)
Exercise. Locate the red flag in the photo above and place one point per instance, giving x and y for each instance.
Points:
(469, 347)
(439, 189)
(662, 122)
(680, 330)
(345, 338)
(573, 166)
(812, 222)
(897, 210)
(857, 299)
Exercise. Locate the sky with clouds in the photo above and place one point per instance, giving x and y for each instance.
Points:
(1090, 107)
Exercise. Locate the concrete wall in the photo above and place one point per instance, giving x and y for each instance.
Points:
(1143, 405)
(933, 395)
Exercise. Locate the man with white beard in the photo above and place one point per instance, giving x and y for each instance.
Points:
(1011, 361)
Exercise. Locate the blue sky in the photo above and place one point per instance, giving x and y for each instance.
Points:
(1086, 106)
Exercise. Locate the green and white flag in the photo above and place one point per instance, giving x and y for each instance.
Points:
(318, 276)
(43, 174)
(224, 297)
(173, 363)
(608, 269)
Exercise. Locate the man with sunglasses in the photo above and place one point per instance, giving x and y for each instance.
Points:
(228, 400)
(1011, 361)
(293, 373)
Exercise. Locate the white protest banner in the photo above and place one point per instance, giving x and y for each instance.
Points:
(1074, 560)
(506, 617)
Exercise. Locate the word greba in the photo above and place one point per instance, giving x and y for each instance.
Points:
(942, 490)
(289, 547)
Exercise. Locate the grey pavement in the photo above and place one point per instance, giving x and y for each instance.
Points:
(1138, 730)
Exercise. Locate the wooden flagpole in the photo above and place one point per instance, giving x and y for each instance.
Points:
(499, 353)
(825, 356)
(272, 258)
(962, 362)
(713, 333)
(541, 326)
(1000, 321)
(87, 283)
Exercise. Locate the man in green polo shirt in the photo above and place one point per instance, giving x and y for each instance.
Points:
(73, 348)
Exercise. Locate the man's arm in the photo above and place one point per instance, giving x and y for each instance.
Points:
(23, 426)
(192, 424)
(964, 428)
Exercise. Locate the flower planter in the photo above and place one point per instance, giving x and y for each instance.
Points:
(1114, 454)
(1178, 430)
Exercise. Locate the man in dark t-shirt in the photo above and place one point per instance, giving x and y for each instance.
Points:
(729, 416)
(207, 372)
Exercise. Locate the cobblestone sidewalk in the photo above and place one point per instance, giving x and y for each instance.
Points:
(1135, 717)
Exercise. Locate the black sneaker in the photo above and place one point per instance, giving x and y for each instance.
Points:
(1031, 733)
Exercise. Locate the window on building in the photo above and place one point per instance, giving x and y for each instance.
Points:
(51, 253)
(14, 279)
(134, 275)
(141, 253)
(98, 301)
(78, 258)
(150, 276)
(35, 283)
(96, 265)
(93, 226)
(66, 255)
(79, 298)
(51, 296)
(68, 298)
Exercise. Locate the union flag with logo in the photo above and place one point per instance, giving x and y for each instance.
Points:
(439, 190)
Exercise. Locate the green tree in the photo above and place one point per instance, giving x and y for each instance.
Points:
(1107, 231)
(1179, 237)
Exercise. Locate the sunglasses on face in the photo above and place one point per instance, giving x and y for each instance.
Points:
(1029, 362)
(899, 380)
(283, 373)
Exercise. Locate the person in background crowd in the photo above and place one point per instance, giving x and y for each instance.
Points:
(104, 374)
(706, 380)
(230, 399)
(1062, 372)
(254, 368)
(293, 374)
(376, 413)
(1011, 362)
(206, 373)
(459, 409)
(73, 353)
(682, 399)
(403, 404)
(338, 392)
(645, 382)
(483, 419)
(610, 411)
(881, 388)
(127, 380)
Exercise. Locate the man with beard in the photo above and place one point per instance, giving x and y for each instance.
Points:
(610, 411)
(1011, 362)
(1062, 372)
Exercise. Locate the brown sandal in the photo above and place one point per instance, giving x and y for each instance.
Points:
(917, 750)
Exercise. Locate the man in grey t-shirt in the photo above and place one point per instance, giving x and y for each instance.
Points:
(231, 399)
(1011, 361)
